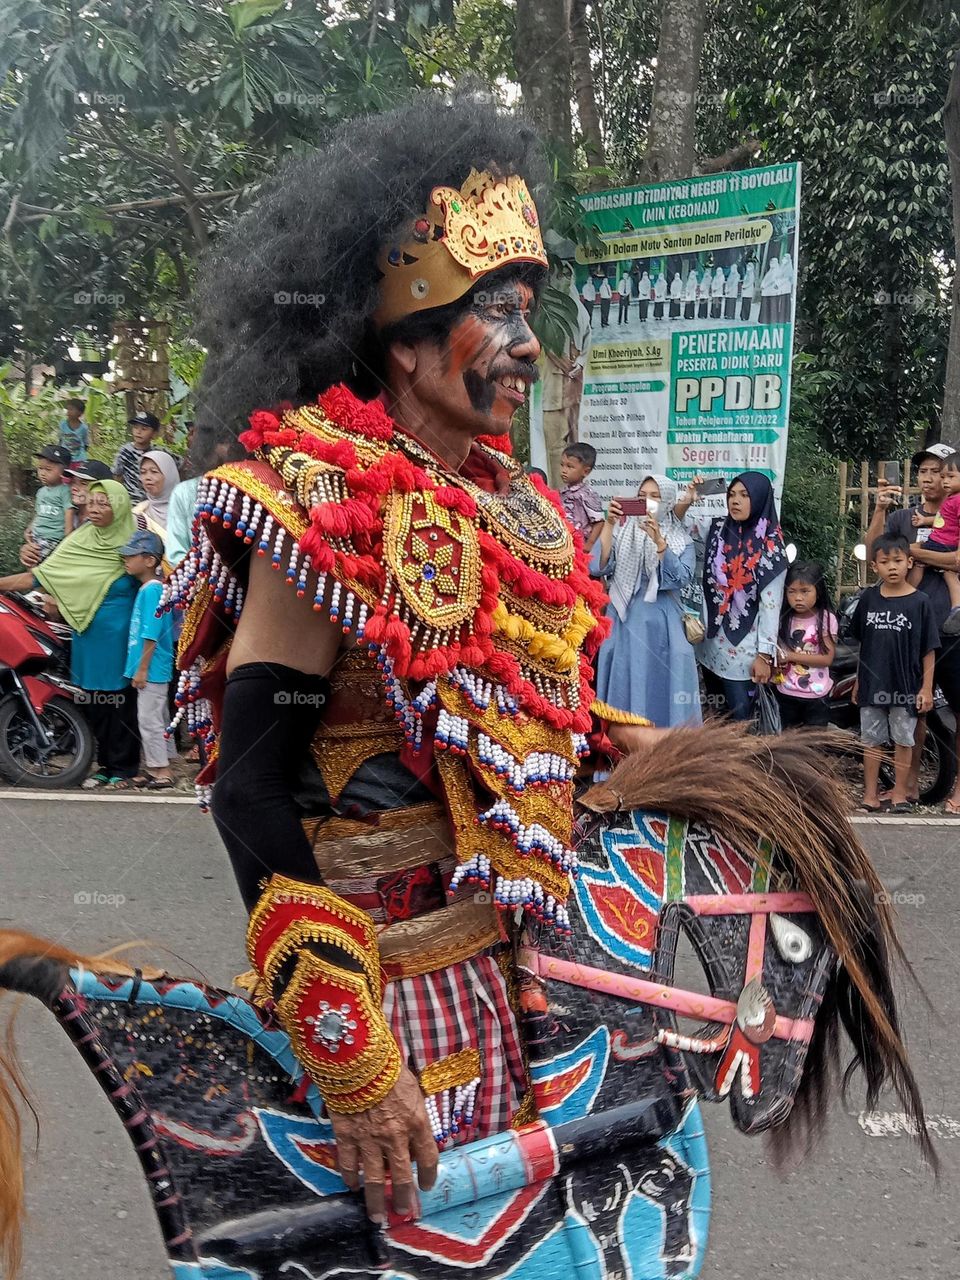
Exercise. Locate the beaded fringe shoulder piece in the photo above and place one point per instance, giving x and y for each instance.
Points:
(466, 588)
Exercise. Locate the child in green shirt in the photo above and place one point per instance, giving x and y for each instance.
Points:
(53, 518)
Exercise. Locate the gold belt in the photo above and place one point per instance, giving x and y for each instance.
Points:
(351, 855)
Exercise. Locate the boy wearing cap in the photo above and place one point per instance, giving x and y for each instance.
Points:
(149, 665)
(80, 476)
(126, 465)
(53, 509)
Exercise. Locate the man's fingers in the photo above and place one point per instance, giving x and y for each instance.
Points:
(424, 1147)
(373, 1179)
(348, 1162)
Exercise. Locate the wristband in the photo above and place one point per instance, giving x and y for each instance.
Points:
(340, 1035)
(330, 1010)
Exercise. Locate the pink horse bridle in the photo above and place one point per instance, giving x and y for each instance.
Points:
(752, 1020)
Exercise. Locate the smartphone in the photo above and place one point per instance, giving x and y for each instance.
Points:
(632, 507)
(716, 484)
(891, 472)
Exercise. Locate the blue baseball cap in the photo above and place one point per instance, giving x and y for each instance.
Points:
(144, 543)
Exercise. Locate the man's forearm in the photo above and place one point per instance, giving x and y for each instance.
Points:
(937, 559)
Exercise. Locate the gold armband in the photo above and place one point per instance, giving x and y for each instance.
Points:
(331, 1012)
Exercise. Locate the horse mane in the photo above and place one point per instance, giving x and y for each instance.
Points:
(782, 788)
(31, 966)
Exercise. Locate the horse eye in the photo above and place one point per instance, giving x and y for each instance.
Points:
(791, 941)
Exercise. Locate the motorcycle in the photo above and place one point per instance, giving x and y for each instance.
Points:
(45, 740)
(938, 764)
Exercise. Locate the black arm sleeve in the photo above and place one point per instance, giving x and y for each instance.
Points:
(270, 714)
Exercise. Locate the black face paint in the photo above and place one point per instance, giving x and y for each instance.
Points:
(481, 391)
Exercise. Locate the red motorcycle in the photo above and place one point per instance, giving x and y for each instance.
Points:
(44, 739)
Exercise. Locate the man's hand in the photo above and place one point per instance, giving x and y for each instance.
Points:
(924, 701)
(383, 1140)
(139, 680)
(887, 494)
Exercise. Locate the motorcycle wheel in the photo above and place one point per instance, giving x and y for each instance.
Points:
(23, 764)
(938, 764)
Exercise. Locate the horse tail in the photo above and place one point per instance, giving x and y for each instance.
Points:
(752, 789)
(30, 966)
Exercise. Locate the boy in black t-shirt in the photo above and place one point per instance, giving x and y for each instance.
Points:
(898, 635)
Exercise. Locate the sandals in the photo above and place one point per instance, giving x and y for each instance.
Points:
(98, 779)
(950, 809)
(158, 784)
(121, 784)
(902, 806)
(882, 807)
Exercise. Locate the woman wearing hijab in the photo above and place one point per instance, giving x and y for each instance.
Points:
(659, 296)
(676, 296)
(643, 293)
(731, 291)
(647, 665)
(690, 289)
(768, 292)
(716, 294)
(743, 575)
(159, 476)
(86, 579)
(784, 289)
(747, 290)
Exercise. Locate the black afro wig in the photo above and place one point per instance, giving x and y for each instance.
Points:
(285, 299)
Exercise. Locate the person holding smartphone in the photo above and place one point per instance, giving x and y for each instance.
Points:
(744, 565)
(647, 665)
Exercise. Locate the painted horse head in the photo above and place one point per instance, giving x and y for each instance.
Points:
(741, 845)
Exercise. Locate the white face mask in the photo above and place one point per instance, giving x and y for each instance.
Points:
(653, 506)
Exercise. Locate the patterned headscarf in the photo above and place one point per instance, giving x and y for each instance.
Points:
(741, 558)
(636, 552)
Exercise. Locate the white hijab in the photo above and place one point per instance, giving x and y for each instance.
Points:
(636, 551)
(155, 509)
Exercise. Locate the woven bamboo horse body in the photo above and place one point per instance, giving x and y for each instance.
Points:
(612, 1178)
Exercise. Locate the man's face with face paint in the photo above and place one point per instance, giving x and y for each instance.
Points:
(477, 377)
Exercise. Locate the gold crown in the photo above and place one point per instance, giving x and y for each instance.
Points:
(461, 235)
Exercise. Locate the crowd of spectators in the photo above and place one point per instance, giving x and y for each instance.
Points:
(97, 547)
(750, 627)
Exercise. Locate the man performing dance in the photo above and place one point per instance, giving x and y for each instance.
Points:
(412, 651)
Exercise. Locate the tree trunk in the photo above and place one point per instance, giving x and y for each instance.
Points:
(671, 134)
(583, 85)
(542, 58)
(950, 422)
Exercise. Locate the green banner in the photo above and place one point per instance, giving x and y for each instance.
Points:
(685, 332)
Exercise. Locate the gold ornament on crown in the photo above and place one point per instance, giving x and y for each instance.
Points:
(463, 234)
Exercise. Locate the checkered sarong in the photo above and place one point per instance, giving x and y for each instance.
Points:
(464, 1006)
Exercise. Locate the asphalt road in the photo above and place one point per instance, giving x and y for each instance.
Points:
(861, 1208)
